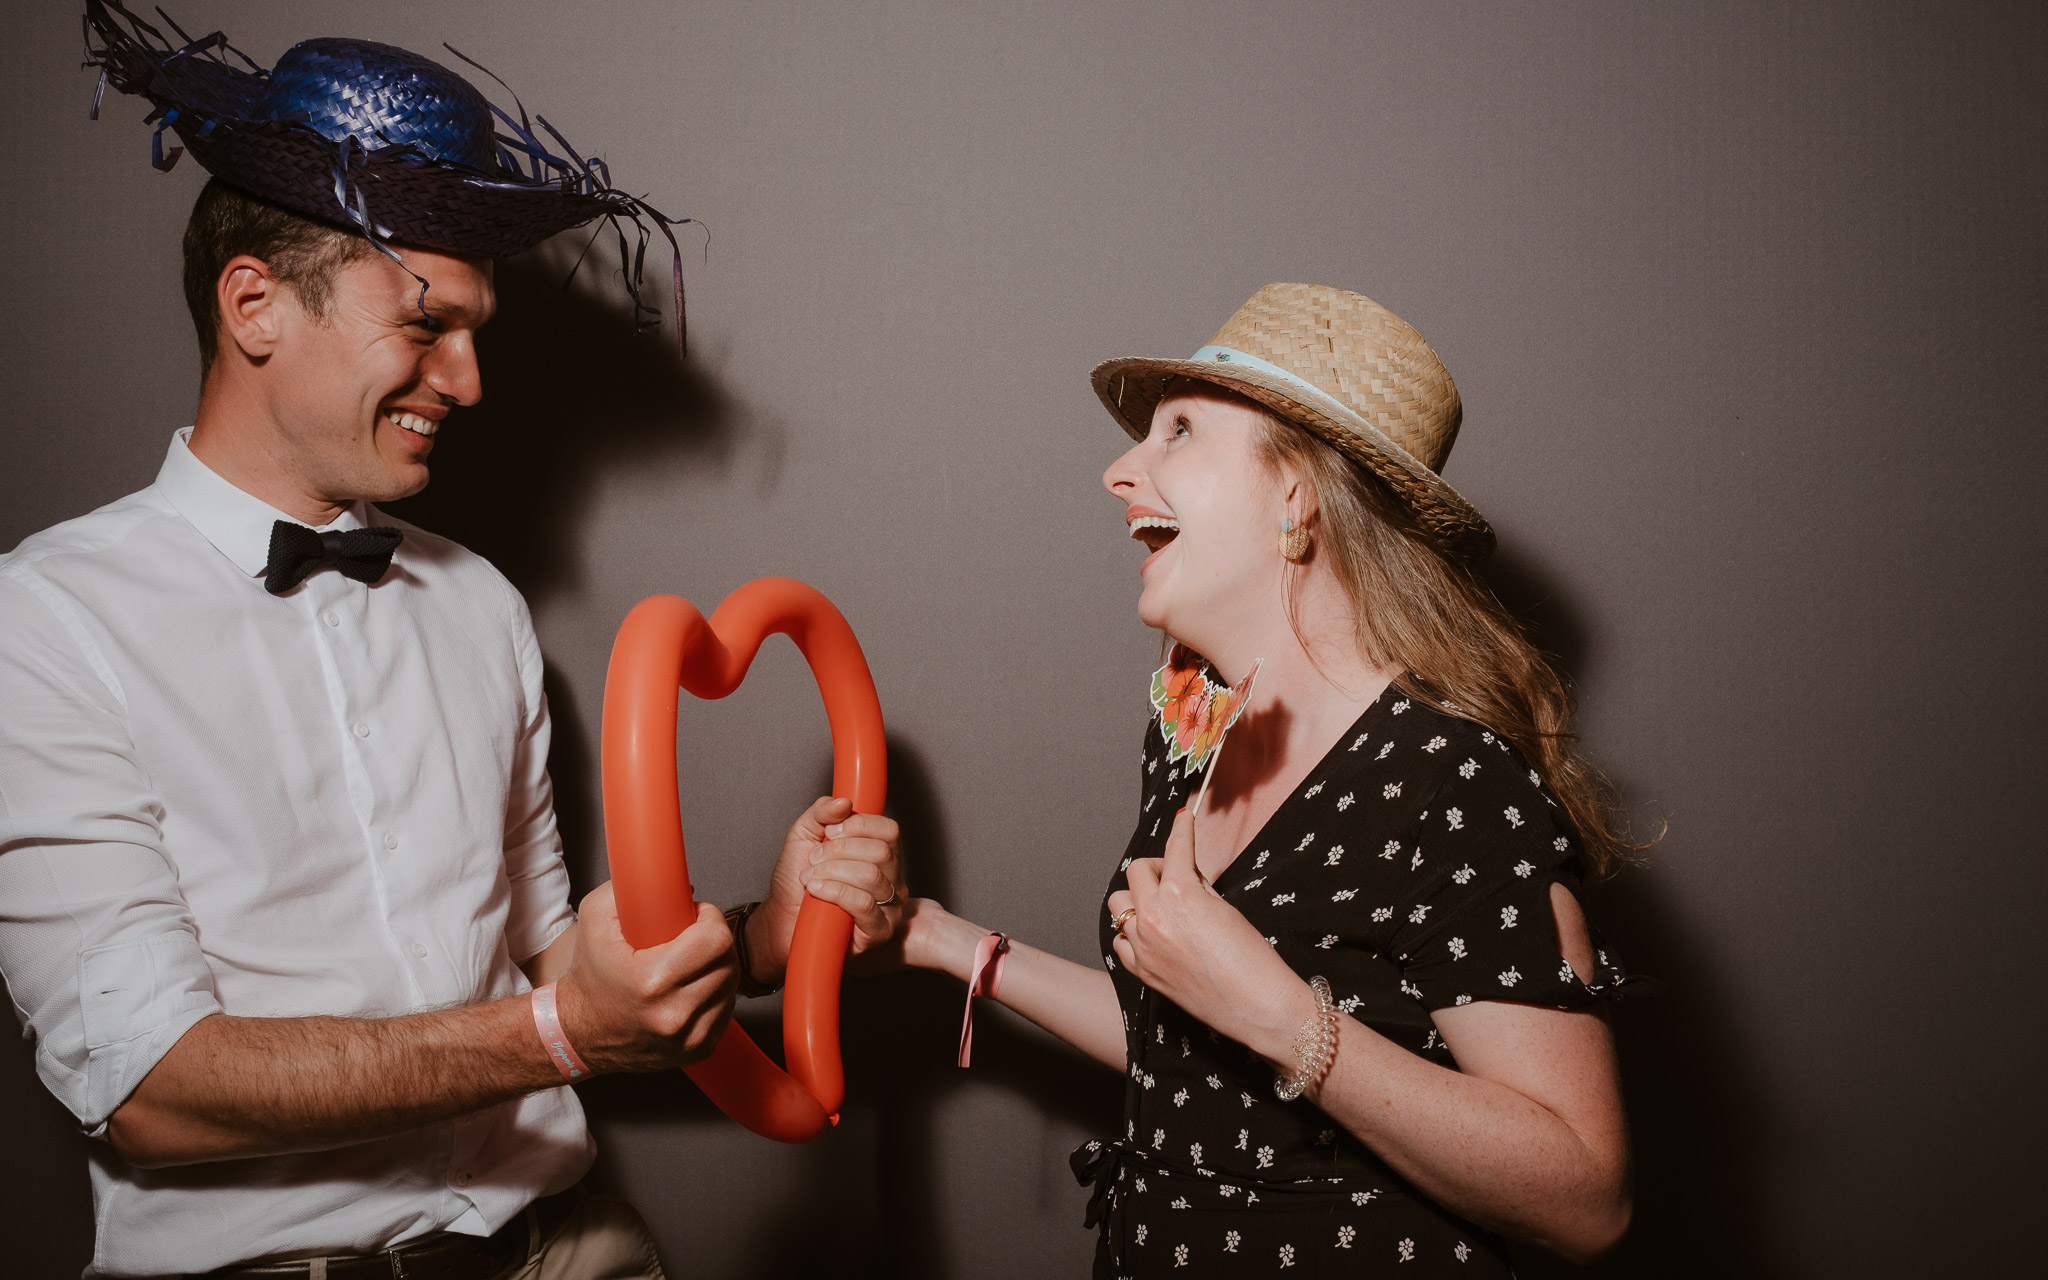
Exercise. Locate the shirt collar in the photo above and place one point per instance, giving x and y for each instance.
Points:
(237, 523)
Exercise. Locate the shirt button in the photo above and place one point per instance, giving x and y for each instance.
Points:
(390, 841)
(420, 949)
(462, 1179)
(362, 730)
(331, 618)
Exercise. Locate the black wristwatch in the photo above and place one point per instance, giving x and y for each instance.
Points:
(750, 986)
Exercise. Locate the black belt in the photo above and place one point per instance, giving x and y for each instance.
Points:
(442, 1256)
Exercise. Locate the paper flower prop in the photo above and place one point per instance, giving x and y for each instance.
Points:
(1194, 711)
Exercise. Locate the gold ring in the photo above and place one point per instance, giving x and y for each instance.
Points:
(889, 901)
(1122, 918)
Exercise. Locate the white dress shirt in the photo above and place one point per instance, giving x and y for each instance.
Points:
(331, 801)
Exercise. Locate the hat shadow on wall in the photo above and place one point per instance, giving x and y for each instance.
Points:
(1697, 1103)
(572, 399)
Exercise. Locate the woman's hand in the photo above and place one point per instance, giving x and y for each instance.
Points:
(1185, 942)
(848, 859)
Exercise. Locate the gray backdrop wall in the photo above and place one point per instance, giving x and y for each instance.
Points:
(1746, 303)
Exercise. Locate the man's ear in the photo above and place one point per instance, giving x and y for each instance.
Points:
(253, 306)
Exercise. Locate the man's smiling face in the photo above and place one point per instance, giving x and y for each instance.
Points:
(359, 392)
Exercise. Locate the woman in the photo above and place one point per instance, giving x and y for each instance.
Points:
(1353, 996)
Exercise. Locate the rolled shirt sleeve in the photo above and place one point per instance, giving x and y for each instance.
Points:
(533, 844)
(98, 947)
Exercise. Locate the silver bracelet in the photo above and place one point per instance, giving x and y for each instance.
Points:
(1315, 1045)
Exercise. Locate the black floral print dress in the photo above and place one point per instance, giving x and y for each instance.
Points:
(1412, 869)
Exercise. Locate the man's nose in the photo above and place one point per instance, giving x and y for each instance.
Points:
(452, 370)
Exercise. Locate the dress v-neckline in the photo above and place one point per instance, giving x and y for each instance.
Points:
(1294, 793)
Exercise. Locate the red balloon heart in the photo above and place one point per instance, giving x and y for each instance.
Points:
(664, 644)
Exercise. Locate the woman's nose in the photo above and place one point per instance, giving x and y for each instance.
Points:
(1124, 474)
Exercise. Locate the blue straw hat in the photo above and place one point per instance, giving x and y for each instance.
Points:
(371, 139)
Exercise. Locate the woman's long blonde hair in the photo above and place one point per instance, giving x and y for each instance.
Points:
(1424, 616)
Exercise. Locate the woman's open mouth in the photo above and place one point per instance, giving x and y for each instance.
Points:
(1155, 532)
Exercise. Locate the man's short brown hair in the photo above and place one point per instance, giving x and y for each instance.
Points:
(301, 253)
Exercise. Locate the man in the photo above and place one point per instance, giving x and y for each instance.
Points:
(278, 857)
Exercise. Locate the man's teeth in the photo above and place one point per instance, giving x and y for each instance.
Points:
(1167, 523)
(414, 422)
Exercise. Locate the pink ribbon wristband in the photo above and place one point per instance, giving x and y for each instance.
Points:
(983, 977)
(546, 1021)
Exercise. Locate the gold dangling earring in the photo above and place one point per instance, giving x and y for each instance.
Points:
(1293, 540)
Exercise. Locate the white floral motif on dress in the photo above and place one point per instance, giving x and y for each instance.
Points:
(1560, 844)
(1306, 841)
(1564, 971)
(1349, 1003)
(1344, 895)
(1380, 915)
(1391, 790)
(1247, 1099)
(1400, 706)
(1186, 1050)
(1327, 1137)
(1436, 744)
(1386, 748)
(1150, 1080)
(1463, 1000)
(1260, 861)
(1345, 1235)
(1456, 817)
(1334, 856)
(1345, 801)
(1407, 1248)
(1511, 977)
(1140, 1233)
(1467, 769)
(1363, 1197)
(1253, 884)
(1457, 946)
(1180, 1202)
(1525, 868)
(1159, 1139)
(1534, 778)
(1149, 802)
(1359, 741)
(1415, 861)
(1180, 1099)
(1329, 940)
(1159, 1033)
(1215, 1081)
(1139, 1183)
(1265, 1157)
(1508, 916)
(1420, 913)
(1463, 1251)
(1393, 847)
(1195, 1153)
(1243, 1136)
(1464, 874)
(1410, 990)
(1152, 765)
(1180, 1251)
(1230, 1238)
(1286, 1255)
(1312, 792)
(1282, 899)
(1514, 816)
(1486, 737)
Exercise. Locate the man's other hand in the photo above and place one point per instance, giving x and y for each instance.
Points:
(848, 859)
(646, 1010)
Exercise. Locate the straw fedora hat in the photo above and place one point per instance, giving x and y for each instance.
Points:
(1342, 366)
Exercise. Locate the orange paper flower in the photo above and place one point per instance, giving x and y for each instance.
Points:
(1195, 712)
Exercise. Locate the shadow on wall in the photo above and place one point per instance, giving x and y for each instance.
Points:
(1695, 1101)
(572, 399)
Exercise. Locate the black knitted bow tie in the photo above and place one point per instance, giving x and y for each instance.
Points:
(295, 551)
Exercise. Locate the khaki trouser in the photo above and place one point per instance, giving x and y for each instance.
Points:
(603, 1238)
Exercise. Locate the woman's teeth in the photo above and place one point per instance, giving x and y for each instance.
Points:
(1155, 531)
(413, 422)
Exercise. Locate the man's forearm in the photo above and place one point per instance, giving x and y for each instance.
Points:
(234, 1087)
